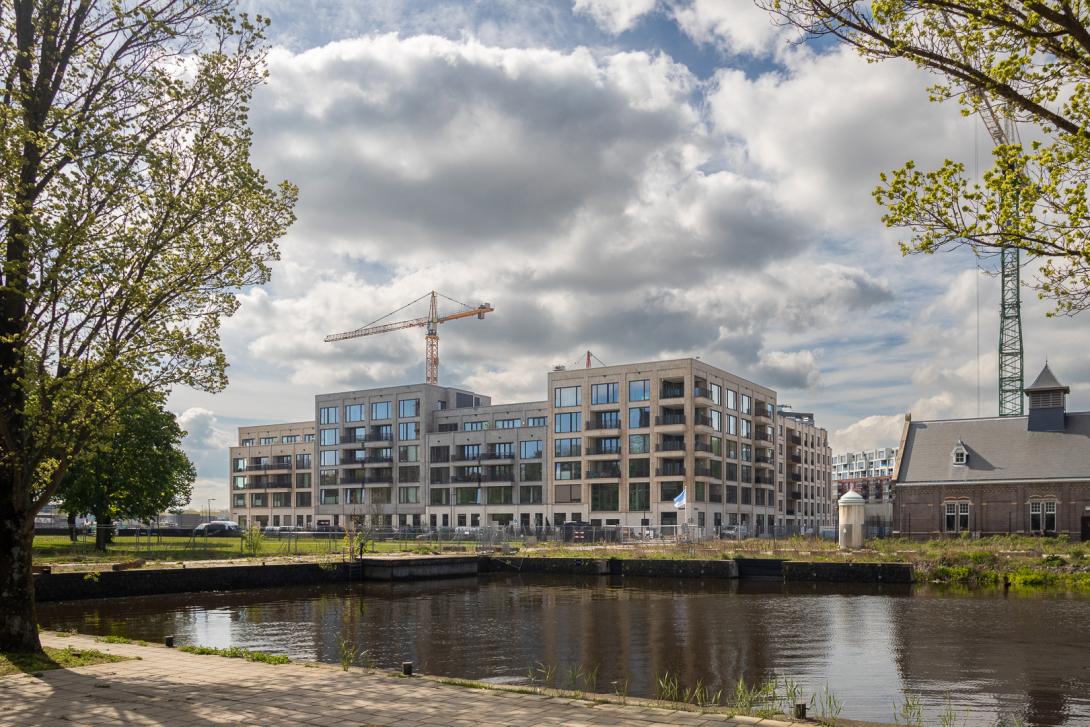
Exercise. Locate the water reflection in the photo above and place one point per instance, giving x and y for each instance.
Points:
(985, 653)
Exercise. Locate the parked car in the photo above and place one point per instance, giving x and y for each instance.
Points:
(734, 532)
(218, 529)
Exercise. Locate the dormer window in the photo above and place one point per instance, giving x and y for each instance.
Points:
(961, 455)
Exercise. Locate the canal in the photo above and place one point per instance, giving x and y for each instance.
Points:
(1023, 658)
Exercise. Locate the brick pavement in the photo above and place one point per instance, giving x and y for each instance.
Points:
(168, 687)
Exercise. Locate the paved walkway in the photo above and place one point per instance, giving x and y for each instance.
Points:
(168, 687)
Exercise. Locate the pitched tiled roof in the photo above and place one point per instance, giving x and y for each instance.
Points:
(1000, 448)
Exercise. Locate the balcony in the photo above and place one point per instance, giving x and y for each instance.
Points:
(763, 480)
(352, 460)
(670, 472)
(672, 391)
(352, 439)
(466, 479)
(463, 457)
(500, 455)
(702, 392)
(703, 447)
(672, 446)
(384, 479)
(603, 424)
(268, 466)
(379, 460)
(794, 440)
(379, 436)
(667, 420)
(795, 495)
(760, 410)
(796, 458)
(604, 473)
(764, 436)
(795, 477)
(706, 472)
(603, 452)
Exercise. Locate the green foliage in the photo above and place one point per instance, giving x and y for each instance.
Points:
(235, 652)
(66, 658)
(1007, 59)
(252, 539)
(138, 472)
(349, 653)
(113, 639)
(909, 712)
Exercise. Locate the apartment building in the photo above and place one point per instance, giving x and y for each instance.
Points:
(271, 475)
(870, 463)
(614, 445)
(806, 468)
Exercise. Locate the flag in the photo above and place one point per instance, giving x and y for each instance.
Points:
(679, 501)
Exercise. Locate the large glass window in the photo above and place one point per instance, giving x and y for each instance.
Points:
(570, 422)
(328, 437)
(639, 467)
(732, 399)
(476, 426)
(498, 495)
(408, 453)
(567, 396)
(353, 413)
(439, 496)
(508, 423)
(747, 404)
(747, 429)
(328, 458)
(568, 447)
(408, 431)
(530, 494)
(327, 415)
(715, 419)
(639, 390)
(302, 499)
(669, 490)
(530, 472)
(537, 421)
(568, 470)
(380, 410)
(717, 393)
(408, 495)
(408, 408)
(328, 497)
(468, 495)
(240, 464)
(732, 424)
(302, 480)
(604, 393)
(639, 496)
(639, 443)
(604, 497)
(530, 449)
(639, 416)
(567, 493)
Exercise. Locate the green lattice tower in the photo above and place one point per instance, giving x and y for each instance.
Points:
(1010, 336)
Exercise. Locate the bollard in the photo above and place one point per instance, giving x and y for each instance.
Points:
(168, 641)
(407, 668)
(800, 710)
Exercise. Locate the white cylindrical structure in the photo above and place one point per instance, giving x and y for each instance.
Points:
(852, 518)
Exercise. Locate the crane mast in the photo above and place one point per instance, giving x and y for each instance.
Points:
(430, 323)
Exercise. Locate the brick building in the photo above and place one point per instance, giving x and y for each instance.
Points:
(1026, 475)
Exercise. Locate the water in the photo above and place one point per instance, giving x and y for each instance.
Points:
(1025, 657)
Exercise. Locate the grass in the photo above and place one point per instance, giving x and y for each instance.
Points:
(234, 652)
(59, 549)
(67, 658)
(111, 639)
(1013, 561)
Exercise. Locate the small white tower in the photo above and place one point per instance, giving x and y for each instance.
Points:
(852, 517)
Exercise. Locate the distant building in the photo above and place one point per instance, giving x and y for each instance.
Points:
(870, 473)
(1027, 474)
(867, 464)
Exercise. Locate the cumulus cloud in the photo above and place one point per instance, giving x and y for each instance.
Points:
(615, 16)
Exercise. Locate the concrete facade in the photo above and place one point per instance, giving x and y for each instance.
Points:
(272, 475)
(609, 446)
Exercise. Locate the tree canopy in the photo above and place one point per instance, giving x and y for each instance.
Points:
(130, 216)
(137, 473)
(1027, 61)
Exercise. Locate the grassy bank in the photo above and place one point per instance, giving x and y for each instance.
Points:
(67, 658)
(1012, 561)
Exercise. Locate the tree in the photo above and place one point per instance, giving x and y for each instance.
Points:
(138, 474)
(130, 216)
(1028, 61)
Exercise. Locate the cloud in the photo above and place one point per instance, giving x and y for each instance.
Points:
(736, 27)
(614, 16)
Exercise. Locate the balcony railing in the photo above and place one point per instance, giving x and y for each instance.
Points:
(795, 440)
(763, 480)
(705, 472)
(379, 480)
(703, 447)
(604, 451)
(353, 460)
(796, 477)
(670, 472)
(378, 460)
(353, 439)
(667, 419)
(498, 455)
(796, 495)
(462, 479)
(672, 392)
(702, 392)
(609, 473)
(670, 447)
(607, 424)
(267, 467)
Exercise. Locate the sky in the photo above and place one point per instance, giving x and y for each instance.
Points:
(646, 179)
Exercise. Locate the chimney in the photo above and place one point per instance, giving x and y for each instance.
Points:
(1047, 403)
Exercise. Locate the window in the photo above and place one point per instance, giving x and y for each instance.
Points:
(567, 396)
(715, 446)
(508, 423)
(468, 496)
(747, 453)
(732, 399)
(568, 470)
(960, 454)
(639, 468)
(639, 443)
(302, 499)
(498, 495)
(408, 431)
(408, 474)
(353, 413)
(475, 426)
(669, 490)
(327, 415)
(308, 437)
(604, 497)
(571, 422)
(716, 420)
(267, 440)
(502, 450)
(408, 453)
(530, 495)
(259, 499)
(639, 496)
(568, 447)
(607, 420)
(247, 443)
(240, 464)
(639, 390)
(604, 393)
(302, 480)
(608, 445)
(639, 416)
(238, 500)
(700, 494)
(747, 404)
(327, 477)
(957, 516)
(328, 497)
(353, 496)
(439, 496)
(380, 410)
(568, 493)
(1042, 516)
(328, 458)
(747, 496)
(408, 408)
(715, 493)
(530, 472)
(747, 429)
(290, 438)
(380, 496)
(328, 437)
(732, 424)
(717, 393)
(537, 421)
(732, 494)
(530, 449)
(408, 495)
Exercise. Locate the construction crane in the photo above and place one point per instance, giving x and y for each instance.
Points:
(430, 322)
(1011, 379)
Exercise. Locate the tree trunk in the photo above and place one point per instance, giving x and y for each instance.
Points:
(72, 527)
(104, 531)
(18, 619)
